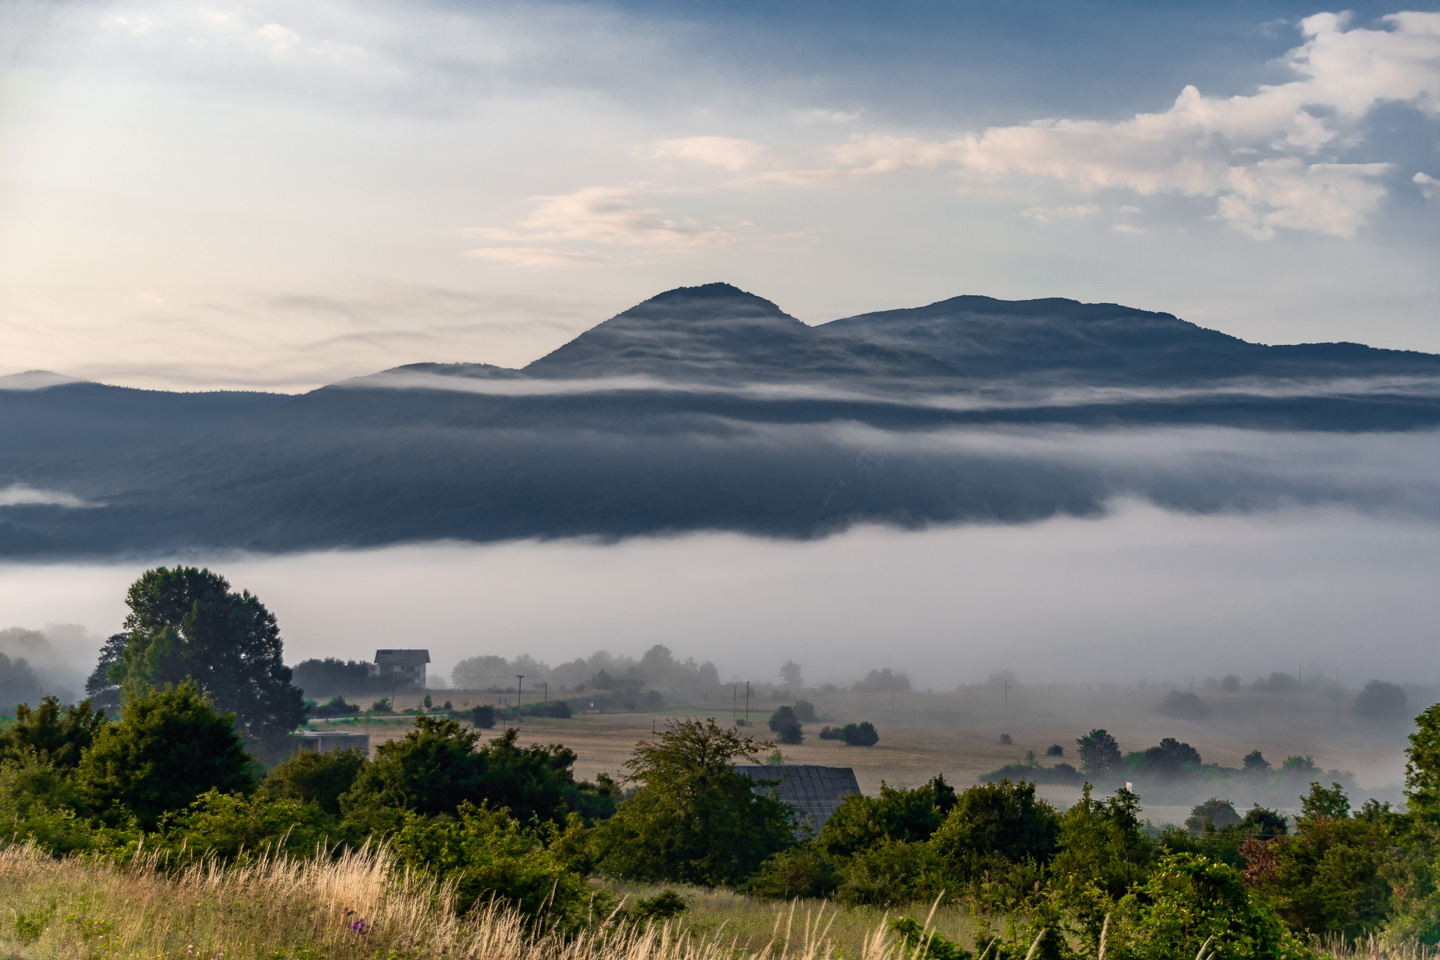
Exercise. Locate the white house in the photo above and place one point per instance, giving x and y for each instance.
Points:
(406, 666)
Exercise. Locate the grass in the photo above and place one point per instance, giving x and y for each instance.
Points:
(356, 907)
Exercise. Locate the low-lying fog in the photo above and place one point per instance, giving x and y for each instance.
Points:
(1140, 594)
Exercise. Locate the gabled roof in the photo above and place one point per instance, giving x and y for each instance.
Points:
(398, 658)
(813, 790)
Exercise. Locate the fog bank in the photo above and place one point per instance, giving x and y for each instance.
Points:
(1141, 593)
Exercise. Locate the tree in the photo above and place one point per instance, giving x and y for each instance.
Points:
(1255, 762)
(18, 683)
(187, 624)
(786, 726)
(1169, 759)
(169, 748)
(438, 766)
(1382, 701)
(862, 734)
(790, 675)
(56, 736)
(996, 821)
(1102, 852)
(1422, 766)
(1099, 753)
(1213, 813)
(693, 819)
(103, 693)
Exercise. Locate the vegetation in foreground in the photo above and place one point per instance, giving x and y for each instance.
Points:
(160, 834)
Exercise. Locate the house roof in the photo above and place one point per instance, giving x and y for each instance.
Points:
(813, 790)
(396, 658)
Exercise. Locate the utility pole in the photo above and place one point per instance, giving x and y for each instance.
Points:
(734, 702)
(545, 697)
(1007, 702)
(747, 703)
(892, 696)
(519, 692)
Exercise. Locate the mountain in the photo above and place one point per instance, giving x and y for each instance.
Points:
(1065, 341)
(717, 333)
(708, 408)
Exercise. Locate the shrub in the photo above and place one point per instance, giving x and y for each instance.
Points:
(892, 872)
(483, 716)
(862, 734)
(1168, 759)
(1006, 739)
(829, 733)
(335, 707)
(1255, 762)
(486, 853)
(52, 734)
(1184, 706)
(805, 711)
(1054, 750)
(665, 905)
(382, 705)
(786, 726)
(1190, 900)
(991, 821)
(800, 872)
(1212, 813)
(168, 749)
(556, 709)
(1382, 701)
(316, 778)
(229, 824)
(1230, 683)
(39, 802)
(1276, 683)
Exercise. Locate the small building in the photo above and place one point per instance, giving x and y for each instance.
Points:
(324, 741)
(406, 666)
(813, 790)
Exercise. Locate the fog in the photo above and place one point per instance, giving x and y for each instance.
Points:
(1141, 593)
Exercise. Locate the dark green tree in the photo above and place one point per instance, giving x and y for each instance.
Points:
(54, 734)
(994, 824)
(439, 765)
(693, 819)
(169, 748)
(1099, 754)
(1103, 852)
(187, 624)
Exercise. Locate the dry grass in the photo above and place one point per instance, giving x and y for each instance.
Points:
(275, 908)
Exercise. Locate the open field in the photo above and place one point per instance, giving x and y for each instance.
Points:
(958, 734)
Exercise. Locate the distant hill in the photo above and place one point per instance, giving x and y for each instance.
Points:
(705, 408)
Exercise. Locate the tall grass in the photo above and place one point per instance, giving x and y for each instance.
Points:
(362, 906)
(359, 905)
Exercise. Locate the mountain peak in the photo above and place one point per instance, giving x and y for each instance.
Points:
(35, 380)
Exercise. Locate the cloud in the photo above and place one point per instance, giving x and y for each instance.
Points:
(1261, 156)
(24, 495)
(1426, 183)
(728, 152)
(1049, 214)
(601, 216)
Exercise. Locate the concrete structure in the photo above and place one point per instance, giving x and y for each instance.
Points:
(324, 741)
(406, 666)
(814, 791)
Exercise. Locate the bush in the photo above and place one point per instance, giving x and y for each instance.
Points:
(335, 707)
(665, 905)
(829, 733)
(486, 853)
(483, 716)
(996, 821)
(800, 872)
(1006, 739)
(1169, 759)
(316, 778)
(860, 734)
(892, 872)
(1230, 684)
(805, 711)
(168, 749)
(555, 709)
(1054, 750)
(51, 734)
(1214, 813)
(786, 726)
(382, 705)
(1189, 900)
(1184, 706)
(1276, 683)
(1382, 701)
(226, 825)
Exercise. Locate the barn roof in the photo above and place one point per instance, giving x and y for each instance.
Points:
(400, 658)
(813, 790)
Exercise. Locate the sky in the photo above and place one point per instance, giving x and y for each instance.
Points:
(275, 196)
(266, 195)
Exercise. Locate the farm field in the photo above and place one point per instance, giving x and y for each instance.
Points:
(957, 734)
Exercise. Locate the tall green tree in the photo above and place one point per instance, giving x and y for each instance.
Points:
(188, 625)
(693, 819)
(1099, 753)
(169, 748)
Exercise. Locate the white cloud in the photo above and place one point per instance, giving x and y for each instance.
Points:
(1049, 214)
(728, 152)
(1260, 156)
(20, 494)
(1426, 183)
(603, 216)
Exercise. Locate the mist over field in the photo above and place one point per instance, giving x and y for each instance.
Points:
(1140, 594)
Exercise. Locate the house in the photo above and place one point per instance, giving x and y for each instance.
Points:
(405, 666)
(814, 791)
